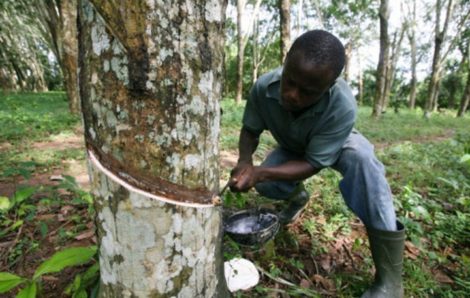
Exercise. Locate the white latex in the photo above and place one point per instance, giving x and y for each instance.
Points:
(240, 274)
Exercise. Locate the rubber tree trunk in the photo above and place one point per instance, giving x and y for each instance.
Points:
(381, 75)
(69, 50)
(392, 66)
(464, 102)
(150, 80)
(284, 8)
(60, 19)
(434, 84)
(347, 64)
(242, 40)
(411, 32)
(241, 50)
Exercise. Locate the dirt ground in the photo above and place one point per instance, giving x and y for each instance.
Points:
(338, 254)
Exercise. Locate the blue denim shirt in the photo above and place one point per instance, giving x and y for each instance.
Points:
(317, 134)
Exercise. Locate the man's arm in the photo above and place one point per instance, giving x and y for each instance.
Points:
(244, 176)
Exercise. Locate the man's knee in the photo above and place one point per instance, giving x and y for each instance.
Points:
(278, 190)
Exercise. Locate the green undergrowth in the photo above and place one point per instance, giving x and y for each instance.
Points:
(428, 168)
(325, 254)
(34, 116)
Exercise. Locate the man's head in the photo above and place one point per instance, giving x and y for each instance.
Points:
(311, 67)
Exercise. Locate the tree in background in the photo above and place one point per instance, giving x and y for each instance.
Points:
(464, 47)
(242, 39)
(60, 18)
(284, 12)
(411, 19)
(384, 14)
(150, 81)
(23, 58)
(260, 46)
(440, 35)
(395, 49)
(352, 21)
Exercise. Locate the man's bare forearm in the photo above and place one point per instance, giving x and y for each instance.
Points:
(293, 170)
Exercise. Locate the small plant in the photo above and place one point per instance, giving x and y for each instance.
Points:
(60, 260)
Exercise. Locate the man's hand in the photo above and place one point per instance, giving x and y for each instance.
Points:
(243, 177)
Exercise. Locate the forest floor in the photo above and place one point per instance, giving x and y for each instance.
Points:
(324, 253)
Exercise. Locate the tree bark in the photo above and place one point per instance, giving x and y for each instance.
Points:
(242, 41)
(384, 14)
(60, 18)
(411, 30)
(347, 64)
(284, 8)
(241, 50)
(150, 81)
(464, 102)
(392, 66)
(360, 83)
(433, 88)
(70, 52)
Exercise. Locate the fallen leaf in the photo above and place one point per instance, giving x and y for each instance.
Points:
(305, 283)
(325, 263)
(65, 209)
(442, 277)
(49, 278)
(411, 250)
(326, 283)
(85, 235)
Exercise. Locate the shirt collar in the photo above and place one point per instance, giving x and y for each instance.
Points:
(273, 90)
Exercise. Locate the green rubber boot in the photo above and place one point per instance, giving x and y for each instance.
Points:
(296, 203)
(387, 252)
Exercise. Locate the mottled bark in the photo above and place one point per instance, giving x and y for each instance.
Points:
(360, 83)
(300, 10)
(150, 81)
(284, 8)
(433, 88)
(241, 50)
(242, 40)
(347, 63)
(69, 52)
(411, 32)
(19, 40)
(384, 14)
(259, 55)
(465, 101)
(392, 65)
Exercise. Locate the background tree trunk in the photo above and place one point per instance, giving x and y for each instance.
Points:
(381, 75)
(464, 102)
(347, 64)
(150, 81)
(241, 50)
(60, 18)
(242, 41)
(392, 66)
(284, 8)
(411, 32)
(433, 88)
(360, 83)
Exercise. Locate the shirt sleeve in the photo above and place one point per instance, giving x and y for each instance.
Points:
(252, 119)
(325, 146)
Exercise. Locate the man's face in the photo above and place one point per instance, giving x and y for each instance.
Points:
(302, 83)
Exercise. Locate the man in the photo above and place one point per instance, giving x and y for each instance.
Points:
(311, 113)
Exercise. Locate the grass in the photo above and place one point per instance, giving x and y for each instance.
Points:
(430, 183)
(34, 116)
(323, 255)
